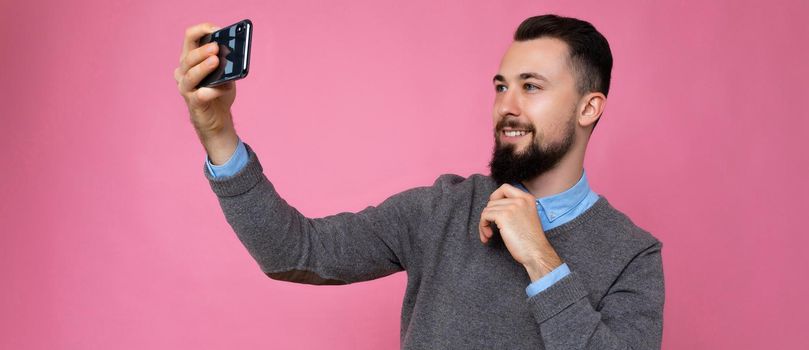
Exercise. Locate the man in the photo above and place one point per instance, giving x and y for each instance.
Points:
(527, 258)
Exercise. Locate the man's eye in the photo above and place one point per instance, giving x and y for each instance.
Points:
(530, 87)
(499, 88)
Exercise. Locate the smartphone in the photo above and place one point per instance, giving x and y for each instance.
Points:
(234, 53)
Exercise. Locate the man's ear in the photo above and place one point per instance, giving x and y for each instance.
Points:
(590, 109)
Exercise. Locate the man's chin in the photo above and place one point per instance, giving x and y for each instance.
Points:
(512, 163)
(516, 150)
(519, 149)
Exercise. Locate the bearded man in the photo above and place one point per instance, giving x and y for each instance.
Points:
(529, 257)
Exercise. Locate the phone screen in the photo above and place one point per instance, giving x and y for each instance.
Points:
(234, 53)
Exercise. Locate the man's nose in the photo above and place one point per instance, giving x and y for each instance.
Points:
(508, 104)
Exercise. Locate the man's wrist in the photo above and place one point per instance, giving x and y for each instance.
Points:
(539, 267)
(220, 146)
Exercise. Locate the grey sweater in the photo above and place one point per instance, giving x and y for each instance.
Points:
(460, 293)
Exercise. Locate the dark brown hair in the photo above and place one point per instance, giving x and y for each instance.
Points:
(590, 55)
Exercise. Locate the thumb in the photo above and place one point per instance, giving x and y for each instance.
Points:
(208, 94)
(485, 230)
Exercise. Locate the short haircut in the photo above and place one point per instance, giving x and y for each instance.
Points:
(589, 52)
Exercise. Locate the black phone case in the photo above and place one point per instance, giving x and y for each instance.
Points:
(219, 75)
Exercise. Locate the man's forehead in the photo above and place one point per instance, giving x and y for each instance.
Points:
(547, 57)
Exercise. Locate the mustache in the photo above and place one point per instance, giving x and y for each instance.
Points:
(513, 125)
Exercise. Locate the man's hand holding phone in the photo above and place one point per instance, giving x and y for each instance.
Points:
(209, 106)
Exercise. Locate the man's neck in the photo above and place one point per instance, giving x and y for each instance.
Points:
(562, 177)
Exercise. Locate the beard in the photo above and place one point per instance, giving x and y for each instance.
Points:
(508, 166)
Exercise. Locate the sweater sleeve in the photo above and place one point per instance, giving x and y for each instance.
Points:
(336, 249)
(629, 316)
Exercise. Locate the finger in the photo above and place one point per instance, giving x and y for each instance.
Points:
(198, 55)
(485, 231)
(194, 75)
(503, 202)
(508, 191)
(488, 218)
(178, 75)
(207, 94)
(497, 194)
(192, 35)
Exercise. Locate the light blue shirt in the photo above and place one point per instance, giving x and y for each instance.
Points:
(553, 211)
(236, 162)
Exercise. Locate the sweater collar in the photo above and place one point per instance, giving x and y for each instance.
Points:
(560, 204)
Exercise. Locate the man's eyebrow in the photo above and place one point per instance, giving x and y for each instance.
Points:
(523, 76)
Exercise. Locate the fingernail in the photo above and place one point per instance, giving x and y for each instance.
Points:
(210, 61)
(215, 28)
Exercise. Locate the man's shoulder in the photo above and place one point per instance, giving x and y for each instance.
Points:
(449, 189)
(456, 188)
(456, 182)
(449, 179)
(622, 229)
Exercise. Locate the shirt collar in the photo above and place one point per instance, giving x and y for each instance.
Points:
(560, 204)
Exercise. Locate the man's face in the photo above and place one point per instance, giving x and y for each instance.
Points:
(535, 92)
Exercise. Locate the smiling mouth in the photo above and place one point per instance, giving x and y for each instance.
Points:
(513, 135)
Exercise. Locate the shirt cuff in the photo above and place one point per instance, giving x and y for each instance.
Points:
(236, 162)
(548, 280)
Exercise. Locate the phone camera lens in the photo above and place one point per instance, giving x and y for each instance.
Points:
(239, 28)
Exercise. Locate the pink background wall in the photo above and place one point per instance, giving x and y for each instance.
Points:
(112, 238)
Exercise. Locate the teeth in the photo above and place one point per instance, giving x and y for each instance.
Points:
(515, 133)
